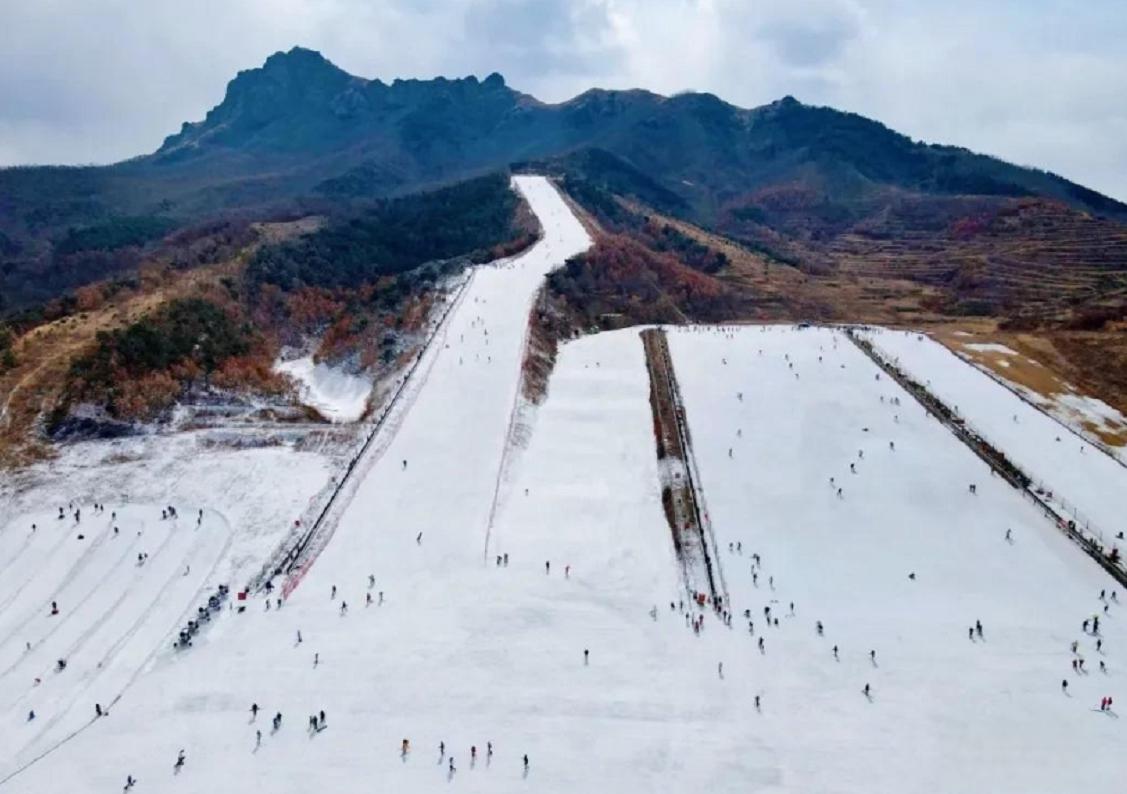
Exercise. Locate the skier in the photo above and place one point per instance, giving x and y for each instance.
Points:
(368, 599)
(473, 753)
(316, 659)
(371, 580)
(321, 717)
(488, 750)
(720, 669)
(441, 748)
(1064, 685)
(299, 636)
(761, 648)
(31, 715)
(404, 464)
(343, 607)
(586, 655)
(278, 720)
(867, 692)
(253, 711)
(547, 566)
(567, 572)
(873, 656)
(333, 594)
(526, 762)
(1009, 535)
(757, 702)
(819, 626)
(419, 539)
(130, 781)
(98, 710)
(978, 628)
(179, 761)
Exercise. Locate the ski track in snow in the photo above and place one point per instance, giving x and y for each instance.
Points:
(462, 651)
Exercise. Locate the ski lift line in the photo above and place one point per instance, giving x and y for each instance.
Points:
(995, 459)
(291, 554)
(381, 423)
(704, 524)
(658, 356)
(682, 557)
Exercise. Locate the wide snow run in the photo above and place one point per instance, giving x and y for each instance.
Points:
(1088, 484)
(557, 631)
(337, 395)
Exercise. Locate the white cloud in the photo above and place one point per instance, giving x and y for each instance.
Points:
(1038, 82)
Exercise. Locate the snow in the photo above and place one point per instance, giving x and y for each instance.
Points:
(948, 714)
(457, 649)
(1089, 484)
(990, 347)
(1082, 411)
(336, 394)
(1083, 414)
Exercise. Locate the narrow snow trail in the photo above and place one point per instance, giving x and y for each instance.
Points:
(1092, 485)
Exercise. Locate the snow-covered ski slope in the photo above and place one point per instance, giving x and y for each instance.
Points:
(455, 648)
(1089, 484)
(948, 713)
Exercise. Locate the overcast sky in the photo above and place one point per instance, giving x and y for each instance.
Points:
(1037, 82)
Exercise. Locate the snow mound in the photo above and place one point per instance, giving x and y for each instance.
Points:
(339, 397)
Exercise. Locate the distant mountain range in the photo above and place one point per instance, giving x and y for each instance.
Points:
(299, 127)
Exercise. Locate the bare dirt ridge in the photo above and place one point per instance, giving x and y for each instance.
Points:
(679, 497)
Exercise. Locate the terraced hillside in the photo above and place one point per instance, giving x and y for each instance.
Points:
(1031, 260)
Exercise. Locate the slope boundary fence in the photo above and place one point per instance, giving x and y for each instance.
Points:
(291, 556)
(997, 460)
(1085, 437)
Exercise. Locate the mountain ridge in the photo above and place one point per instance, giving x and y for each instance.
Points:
(355, 111)
(300, 135)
